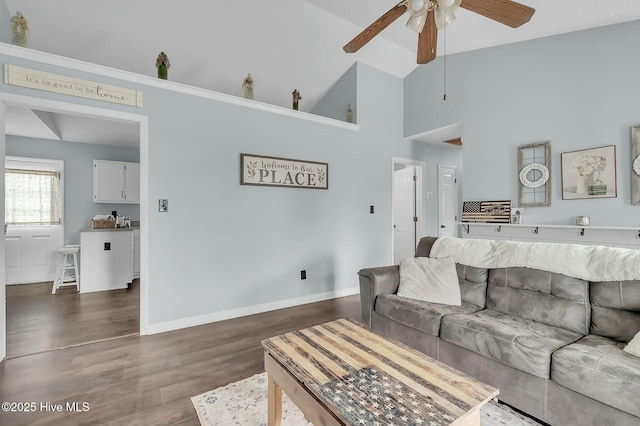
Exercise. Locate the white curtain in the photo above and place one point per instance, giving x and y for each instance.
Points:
(31, 197)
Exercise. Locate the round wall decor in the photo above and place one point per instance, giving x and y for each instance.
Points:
(544, 175)
(636, 165)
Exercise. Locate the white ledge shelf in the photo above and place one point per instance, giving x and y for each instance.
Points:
(527, 225)
(623, 236)
(131, 77)
(438, 136)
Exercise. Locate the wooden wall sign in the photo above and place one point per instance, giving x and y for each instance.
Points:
(274, 171)
(62, 84)
(486, 211)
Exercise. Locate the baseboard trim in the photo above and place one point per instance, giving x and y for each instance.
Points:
(162, 327)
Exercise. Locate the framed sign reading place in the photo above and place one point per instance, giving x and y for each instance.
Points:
(285, 172)
(534, 176)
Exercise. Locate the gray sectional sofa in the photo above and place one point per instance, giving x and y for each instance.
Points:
(551, 343)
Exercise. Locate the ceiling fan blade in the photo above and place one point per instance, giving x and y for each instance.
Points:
(504, 11)
(428, 40)
(374, 29)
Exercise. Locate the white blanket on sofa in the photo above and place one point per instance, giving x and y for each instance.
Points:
(591, 263)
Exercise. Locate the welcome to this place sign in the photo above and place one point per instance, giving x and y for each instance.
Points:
(274, 171)
(62, 84)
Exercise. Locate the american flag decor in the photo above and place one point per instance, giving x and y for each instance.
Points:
(486, 211)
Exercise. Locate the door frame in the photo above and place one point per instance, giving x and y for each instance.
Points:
(420, 227)
(457, 195)
(9, 99)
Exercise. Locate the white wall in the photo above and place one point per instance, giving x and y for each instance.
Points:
(578, 90)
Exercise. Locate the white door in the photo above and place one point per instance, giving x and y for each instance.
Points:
(448, 201)
(31, 250)
(31, 253)
(404, 213)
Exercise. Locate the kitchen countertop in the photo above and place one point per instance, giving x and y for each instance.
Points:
(133, 228)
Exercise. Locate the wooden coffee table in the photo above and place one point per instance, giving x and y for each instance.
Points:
(343, 373)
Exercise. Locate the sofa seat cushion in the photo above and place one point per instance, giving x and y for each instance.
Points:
(597, 367)
(423, 316)
(519, 343)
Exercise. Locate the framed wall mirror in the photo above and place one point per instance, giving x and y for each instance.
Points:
(534, 174)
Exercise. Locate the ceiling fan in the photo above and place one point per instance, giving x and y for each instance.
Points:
(427, 16)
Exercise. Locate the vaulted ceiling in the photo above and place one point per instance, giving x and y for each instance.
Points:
(284, 44)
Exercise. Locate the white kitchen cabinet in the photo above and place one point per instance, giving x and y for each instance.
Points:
(132, 182)
(107, 259)
(116, 182)
(136, 253)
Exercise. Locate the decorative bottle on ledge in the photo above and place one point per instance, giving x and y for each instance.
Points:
(163, 66)
(296, 98)
(349, 115)
(19, 28)
(247, 87)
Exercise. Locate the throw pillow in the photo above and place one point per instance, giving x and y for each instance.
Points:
(633, 347)
(430, 280)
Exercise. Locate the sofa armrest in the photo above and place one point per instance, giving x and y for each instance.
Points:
(375, 281)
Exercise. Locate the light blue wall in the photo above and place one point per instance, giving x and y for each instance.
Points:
(242, 245)
(336, 101)
(225, 246)
(578, 90)
(5, 23)
(78, 158)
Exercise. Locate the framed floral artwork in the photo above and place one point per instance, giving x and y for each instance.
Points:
(589, 173)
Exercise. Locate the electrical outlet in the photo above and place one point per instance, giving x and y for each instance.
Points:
(107, 246)
(303, 274)
(371, 209)
(163, 206)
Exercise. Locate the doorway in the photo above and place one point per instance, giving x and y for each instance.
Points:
(406, 210)
(92, 113)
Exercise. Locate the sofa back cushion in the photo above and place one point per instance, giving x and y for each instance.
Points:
(553, 299)
(615, 309)
(473, 284)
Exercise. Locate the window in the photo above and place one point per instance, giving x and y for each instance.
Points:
(31, 197)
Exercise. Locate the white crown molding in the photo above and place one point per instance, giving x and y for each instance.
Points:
(248, 310)
(61, 61)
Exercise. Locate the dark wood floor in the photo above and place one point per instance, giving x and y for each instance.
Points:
(149, 380)
(40, 321)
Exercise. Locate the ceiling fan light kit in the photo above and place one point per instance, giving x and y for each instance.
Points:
(428, 16)
(418, 14)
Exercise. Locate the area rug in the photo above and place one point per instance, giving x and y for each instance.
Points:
(245, 403)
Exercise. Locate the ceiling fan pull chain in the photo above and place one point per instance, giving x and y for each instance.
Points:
(444, 60)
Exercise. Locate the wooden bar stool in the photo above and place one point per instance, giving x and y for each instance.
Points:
(68, 262)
